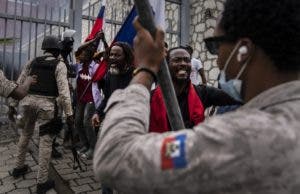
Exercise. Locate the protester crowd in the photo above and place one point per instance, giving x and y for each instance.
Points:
(132, 124)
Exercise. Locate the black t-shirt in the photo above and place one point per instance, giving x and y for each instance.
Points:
(109, 84)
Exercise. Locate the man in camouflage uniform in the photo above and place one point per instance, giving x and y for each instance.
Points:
(11, 89)
(39, 107)
(253, 150)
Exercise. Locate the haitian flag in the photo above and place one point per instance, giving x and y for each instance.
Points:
(127, 31)
(173, 152)
(98, 25)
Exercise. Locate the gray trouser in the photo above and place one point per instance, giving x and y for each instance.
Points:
(83, 123)
(31, 115)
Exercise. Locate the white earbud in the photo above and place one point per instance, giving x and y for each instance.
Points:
(242, 50)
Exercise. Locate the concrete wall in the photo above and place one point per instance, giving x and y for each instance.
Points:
(203, 15)
(172, 12)
(203, 20)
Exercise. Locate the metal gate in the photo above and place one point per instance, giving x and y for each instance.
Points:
(28, 21)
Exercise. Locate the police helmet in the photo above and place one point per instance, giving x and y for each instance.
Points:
(51, 42)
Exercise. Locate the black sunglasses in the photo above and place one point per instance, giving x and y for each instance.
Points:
(213, 43)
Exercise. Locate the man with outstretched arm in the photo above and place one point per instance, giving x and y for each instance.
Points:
(11, 89)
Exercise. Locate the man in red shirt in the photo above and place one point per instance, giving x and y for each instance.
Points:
(192, 99)
(88, 97)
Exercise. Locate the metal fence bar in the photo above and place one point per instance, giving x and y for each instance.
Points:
(93, 13)
(107, 20)
(36, 31)
(65, 18)
(111, 25)
(5, 31)
(59, 19)
(14, 45)
(89, 14)
(51, 18)
(34, 20)
(45, 19)
(184, 24)
(175, 1)
(115, 26)
(21, 38)
(30, 23)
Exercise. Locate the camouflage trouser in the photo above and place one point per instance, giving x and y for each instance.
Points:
(33, 114)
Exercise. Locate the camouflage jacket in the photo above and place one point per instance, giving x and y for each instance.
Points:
(6, 86)
(253, 150)
(47, 102)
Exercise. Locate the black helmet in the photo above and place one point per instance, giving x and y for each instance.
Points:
(51, 42)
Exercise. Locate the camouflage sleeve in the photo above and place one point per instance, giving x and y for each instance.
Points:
(6, 86)
(25, 72)
(213, 156)
(63, 88)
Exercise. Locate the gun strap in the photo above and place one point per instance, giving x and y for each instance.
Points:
(76, 159)
(55, 109)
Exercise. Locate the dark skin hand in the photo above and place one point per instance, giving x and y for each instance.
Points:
(148, 52)
(21, 91)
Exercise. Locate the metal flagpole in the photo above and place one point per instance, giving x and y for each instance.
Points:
(164, 78)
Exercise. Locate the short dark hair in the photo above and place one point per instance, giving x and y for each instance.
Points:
(189, 49)
(272, 25)
(174, 48)
(128, 52)
(89, 52)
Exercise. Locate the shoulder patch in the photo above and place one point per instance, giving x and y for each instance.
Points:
(173, 152)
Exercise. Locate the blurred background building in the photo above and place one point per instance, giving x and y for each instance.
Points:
(28, 21)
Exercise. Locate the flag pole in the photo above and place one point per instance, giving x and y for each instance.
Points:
(164, 78)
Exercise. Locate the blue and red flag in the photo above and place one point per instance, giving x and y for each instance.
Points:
(125, 34)
(98, 25)
(127, 31)
(173, 152)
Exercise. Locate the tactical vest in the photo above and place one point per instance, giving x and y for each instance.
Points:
(46, 82)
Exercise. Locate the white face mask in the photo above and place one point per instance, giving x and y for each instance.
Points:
(232, 87)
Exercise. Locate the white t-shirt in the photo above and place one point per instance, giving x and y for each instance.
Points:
(196, 66)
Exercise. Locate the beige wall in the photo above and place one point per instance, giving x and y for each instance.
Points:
(202, 26)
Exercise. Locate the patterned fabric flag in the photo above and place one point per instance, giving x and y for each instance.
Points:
(98, 25)
(127, 31)
(173, 152)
